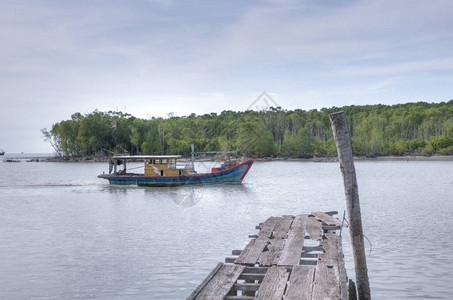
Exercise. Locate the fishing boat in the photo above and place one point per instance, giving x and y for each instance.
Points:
(165, 170)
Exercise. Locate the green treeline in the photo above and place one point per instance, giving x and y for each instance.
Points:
(412, 128)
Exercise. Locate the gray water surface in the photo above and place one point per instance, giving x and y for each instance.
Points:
(65, 234)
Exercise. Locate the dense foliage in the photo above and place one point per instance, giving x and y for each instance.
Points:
(412, 128)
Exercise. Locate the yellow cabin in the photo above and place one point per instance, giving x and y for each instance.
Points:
(165, 166)
(155, 165)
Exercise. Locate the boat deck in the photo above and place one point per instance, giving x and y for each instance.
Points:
(291, 257)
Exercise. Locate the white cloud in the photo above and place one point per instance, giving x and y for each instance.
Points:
(441, 64)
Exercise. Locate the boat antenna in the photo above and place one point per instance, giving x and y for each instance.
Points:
(192, 156)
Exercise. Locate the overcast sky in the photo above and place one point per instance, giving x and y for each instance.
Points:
(153, 57)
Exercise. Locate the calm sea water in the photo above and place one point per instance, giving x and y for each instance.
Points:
(64, 234)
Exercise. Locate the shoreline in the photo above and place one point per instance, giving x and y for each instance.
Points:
(12, 158)
(364, 158)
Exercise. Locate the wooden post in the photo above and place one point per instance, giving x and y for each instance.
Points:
(343, 142)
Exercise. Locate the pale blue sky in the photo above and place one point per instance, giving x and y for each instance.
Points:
(152, 57)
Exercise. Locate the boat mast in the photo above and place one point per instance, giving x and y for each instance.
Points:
(193, 156)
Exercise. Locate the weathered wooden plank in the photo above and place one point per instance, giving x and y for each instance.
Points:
(309, 255)
(246, 287)
(255, 270)
(251, 276)
(239, 297)
(308, 249)
(271, 253)
(308, 262)
(327, 219)
(342, 272)
(300, 283)
(330, 255)
(326, 284)
(252, 252)
(218, 286)
(267, 227)
(205, 281)
(314, 228)
(331, 213)
(282, 227)
(329, 228)
(291, 252)
(274, 284)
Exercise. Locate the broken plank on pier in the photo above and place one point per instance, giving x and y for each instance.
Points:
(327, 219)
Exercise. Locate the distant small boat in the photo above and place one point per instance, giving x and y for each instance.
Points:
(2, 152)
(163, 170)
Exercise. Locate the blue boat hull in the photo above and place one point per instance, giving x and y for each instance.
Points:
(233, 175)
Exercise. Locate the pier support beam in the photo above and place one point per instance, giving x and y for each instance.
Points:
(343, 142)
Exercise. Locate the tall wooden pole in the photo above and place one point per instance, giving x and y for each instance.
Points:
(343, 142)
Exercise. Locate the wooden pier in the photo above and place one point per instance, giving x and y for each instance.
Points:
(291, 257)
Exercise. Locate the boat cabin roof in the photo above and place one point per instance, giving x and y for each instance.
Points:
(144, 157)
